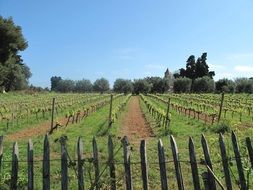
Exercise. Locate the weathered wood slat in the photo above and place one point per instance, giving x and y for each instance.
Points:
(215, 177)
(64, 165)
(250, 150)
(30, 170)
(194, 165)
(225, 162)
(127, 164)
(238, 162)
(205, 148)
(111, 164)
(162, 165)
(144, 165)
(14, 170)
(175, 154)
(80, 164)
(96, 163)
(46, 165)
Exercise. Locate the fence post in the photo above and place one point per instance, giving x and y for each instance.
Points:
(167, 116)
(144, 167)
(52, 115)
(194, 165)
(162, 165)
(64, 165)
(208, 162)
(46, 165)
(111, 163)
(14, 170)
(80, 164)
(249, 147)
(1, 151)
(175, 153)
(127, 163)
(205, 176)
(110, 112)
(225, 162)
(238, 162)
(221, 105)
(95, 163)
(30, 165)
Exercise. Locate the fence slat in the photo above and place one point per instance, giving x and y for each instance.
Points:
(225, 162)
(1, 151)
(80, 164)
(30, 165)
(175, 154)
(194, 165)
(111, 163)
(238, 162)
(95, 163)
(64, 165)
(46, 165)
(211, 179)
(14, 170)
(250, 150)
(144, 165)
(162, 165)
(127, 163)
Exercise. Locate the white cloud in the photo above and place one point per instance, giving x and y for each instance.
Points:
(243, 68)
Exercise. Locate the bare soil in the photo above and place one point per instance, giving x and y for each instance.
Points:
(40, 129)
(133, 124)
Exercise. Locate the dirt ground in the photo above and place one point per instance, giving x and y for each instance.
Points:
(133, 124)
(40, 129)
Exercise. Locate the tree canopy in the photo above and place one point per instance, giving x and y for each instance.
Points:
(101, 85)
(123, 86)
(195, 69)
(14, 73)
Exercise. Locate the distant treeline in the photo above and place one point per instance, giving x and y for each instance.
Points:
(195, 78)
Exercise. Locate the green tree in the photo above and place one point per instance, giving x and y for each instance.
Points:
(182, 85)
(123, 86)
(14, 74)
(83, 86)
(203, 84)
(54, 82)
(66, 86)
(157, 84)
(141, 86)
(101, 85)
(244, 85)
(225, 85)
(190, 71)
(195, 69)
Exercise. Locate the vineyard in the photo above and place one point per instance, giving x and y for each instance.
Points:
(76, 141)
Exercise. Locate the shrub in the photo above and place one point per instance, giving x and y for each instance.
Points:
(222, 127)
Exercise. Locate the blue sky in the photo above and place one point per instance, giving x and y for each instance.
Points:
(132, 38)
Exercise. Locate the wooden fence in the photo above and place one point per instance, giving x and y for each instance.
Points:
(210, 180)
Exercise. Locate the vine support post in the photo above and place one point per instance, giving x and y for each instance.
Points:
(110, 112)
(52, 115)
(167, 123)
(221, 105)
